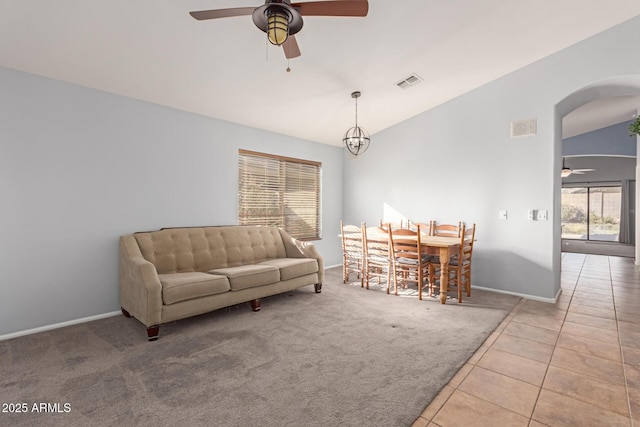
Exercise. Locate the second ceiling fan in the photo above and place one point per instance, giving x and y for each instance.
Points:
(281, 19)
(566, 171)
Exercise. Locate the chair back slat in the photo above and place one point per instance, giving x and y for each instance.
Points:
(446, 230)
(409, 263)
(466, 247)
(394, 225)
(424, 227)
(405, 243)
(376, 239)
(351, 238)
(376, 250)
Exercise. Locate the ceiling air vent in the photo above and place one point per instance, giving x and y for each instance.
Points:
(407, 82)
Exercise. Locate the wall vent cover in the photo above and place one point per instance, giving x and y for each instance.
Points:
(523, 128)
(409, 81)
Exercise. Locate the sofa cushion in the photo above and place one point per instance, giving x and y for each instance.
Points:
(180, 250)
(291, 268)
(249, 276)
(178, 287)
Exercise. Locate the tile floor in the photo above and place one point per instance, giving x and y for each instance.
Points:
(573, 363)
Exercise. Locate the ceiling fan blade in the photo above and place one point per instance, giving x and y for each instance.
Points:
(333, 8)
(202, 15)
(290, 47)
(583, 170)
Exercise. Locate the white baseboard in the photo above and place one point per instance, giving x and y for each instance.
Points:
(58, 325)
(517, 294)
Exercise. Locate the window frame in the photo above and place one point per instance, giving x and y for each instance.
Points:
(282, 191)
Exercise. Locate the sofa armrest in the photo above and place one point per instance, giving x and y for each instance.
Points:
(140, 288)
(298, 249)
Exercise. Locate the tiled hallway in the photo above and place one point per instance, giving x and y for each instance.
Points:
(575, 363)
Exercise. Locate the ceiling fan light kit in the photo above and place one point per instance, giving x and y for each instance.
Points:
(356, 139)
(278, 20)
(277, 30)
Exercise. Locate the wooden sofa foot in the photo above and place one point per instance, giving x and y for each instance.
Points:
(125, 313)
(152, 332)
(255, 305)
(318, 287)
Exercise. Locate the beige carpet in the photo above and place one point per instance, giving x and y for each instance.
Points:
(345, 357)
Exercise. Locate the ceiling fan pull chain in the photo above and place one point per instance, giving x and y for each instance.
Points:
(288, 67)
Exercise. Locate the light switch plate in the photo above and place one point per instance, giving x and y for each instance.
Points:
(542, 215)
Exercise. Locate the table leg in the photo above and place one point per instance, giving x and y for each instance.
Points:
(444, 274)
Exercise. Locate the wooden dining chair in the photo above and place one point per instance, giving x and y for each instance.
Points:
(377, 259)
(410, 264)
(352, 251)
(444, 230)
(460, 267)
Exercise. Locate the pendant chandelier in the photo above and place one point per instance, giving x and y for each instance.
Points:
(356, 139)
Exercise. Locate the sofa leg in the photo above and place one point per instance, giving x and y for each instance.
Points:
(318, 287)
(125, 313)
(255, 305)
(152, 332)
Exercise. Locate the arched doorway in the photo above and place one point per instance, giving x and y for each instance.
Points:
(615, 87)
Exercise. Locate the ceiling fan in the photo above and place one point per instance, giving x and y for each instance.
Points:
(566, 171)
(281, 19)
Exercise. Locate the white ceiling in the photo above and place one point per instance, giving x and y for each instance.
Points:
(153, 50)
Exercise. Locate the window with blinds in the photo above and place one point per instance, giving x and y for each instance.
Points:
(280, 191)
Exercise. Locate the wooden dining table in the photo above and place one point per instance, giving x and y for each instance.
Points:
(442, 246)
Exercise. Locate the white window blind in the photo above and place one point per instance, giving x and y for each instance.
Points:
(280, 191)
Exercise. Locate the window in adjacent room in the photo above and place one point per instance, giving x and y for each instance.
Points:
(280, 191)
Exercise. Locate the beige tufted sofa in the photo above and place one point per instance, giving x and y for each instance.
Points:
(174, 273)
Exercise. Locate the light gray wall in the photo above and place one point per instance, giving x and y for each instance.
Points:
(458, 162)
(78, 168)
